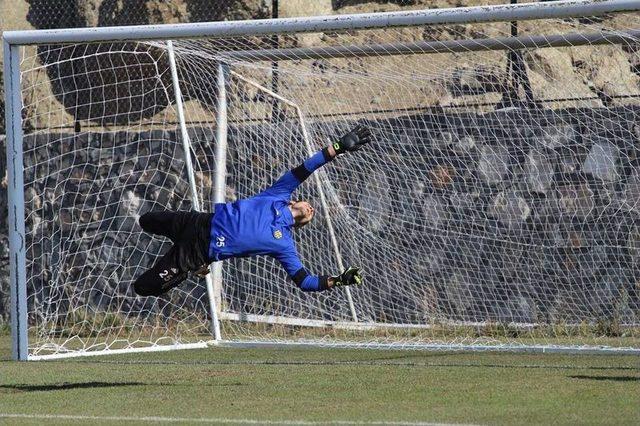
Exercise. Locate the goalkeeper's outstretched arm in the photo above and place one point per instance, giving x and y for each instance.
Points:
(307, 282)
(350, 142)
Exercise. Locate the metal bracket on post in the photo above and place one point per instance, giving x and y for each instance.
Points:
(15, 190)
(186, 143)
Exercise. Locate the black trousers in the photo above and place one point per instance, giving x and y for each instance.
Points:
(190, 234)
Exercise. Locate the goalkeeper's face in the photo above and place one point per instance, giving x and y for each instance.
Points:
(302, 212)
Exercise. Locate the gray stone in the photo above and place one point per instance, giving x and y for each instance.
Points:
(631, 195)
(462, 201)
(591, 262)
(525, 310)
(130, 204)
(494, 164)
(607, 289)
(633, 242)
(576, 200)
(434, 213)
(417, 189)
(32, 198)
(446, 139)
(510, 208)
(65, 220)
(557, 136)
(601, 161)
(539, 170)
(568, 162)
(375, 201)
(466, 144)
(459, 291)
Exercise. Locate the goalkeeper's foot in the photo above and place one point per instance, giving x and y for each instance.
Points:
(171, 279)
(202, 272)
(176, 277)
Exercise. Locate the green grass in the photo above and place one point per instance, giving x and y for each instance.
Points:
(324, 385)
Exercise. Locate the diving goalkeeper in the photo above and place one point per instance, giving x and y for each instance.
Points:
(260, 225)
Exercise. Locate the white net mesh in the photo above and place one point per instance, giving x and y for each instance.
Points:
(497, 206)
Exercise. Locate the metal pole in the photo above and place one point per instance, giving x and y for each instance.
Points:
(327, 216)
(318, 182)
(477, 14)
(517, 72)
(220, 174)
(186, 144)
(15, 190)
(275, 111)
(428, 47)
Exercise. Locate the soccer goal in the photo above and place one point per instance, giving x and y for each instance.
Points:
(498, 207)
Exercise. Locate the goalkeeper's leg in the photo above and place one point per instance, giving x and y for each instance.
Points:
(162, 277)
(166, 223)
(190, 233)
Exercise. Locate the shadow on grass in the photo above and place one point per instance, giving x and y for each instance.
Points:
(67, 386)
(606, 378)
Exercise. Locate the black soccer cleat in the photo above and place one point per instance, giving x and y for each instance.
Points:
(171, 278)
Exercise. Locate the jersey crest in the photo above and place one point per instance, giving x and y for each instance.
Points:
(277, 234)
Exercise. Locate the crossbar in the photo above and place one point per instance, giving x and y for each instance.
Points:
(477, 14)
(421, 47)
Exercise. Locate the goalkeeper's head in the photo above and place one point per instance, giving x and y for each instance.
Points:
(302, 212)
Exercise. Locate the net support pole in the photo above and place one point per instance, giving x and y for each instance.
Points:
(15, 190)
(317, 180)
(221, 169)
(327, 216)
(186, 144)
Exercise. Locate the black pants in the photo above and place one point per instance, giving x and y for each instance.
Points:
(190, 234)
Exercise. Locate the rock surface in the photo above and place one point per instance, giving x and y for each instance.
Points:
(506, 237)
(502, 216)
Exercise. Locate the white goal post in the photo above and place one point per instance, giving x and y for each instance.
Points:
(497, 210)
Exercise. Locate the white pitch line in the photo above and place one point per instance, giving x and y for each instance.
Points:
(215, 420)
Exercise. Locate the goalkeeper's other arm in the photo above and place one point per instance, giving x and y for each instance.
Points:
(349, 142)
(352, 141)
(350, 276)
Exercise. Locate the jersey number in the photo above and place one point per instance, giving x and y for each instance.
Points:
(220, 241)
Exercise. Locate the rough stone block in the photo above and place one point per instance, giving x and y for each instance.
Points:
(494, 164)
(602, 160)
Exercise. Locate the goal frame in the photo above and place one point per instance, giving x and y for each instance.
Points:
(13, 40)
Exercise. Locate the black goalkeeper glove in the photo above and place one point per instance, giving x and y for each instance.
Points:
(350, 276)
(354, 140)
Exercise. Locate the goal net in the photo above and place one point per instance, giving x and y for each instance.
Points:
(497, 206)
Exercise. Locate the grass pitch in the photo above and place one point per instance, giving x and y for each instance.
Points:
(322, 385)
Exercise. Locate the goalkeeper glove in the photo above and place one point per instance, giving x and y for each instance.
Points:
(350, 276)
(354, 140)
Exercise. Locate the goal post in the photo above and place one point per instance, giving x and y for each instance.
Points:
(482, 219)
(214, 276)
(15, 202)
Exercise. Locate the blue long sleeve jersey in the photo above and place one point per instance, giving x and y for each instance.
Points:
(261, 225)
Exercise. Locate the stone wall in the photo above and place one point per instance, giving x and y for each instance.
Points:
(510, 216)
(522, 211)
